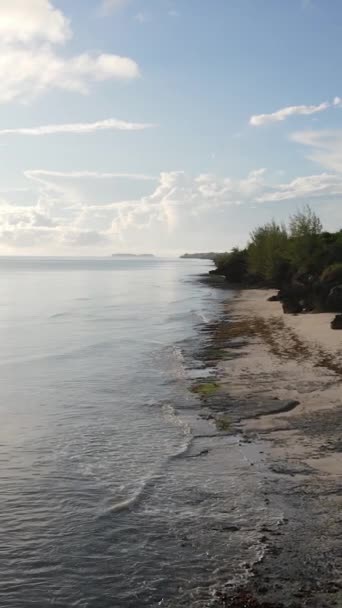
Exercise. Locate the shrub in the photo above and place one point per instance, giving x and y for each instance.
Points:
(267, 253)
(305, 223)
(232, 265)
(306, 245)
(332, 274)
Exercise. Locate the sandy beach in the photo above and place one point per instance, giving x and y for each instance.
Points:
(298, 359)
(281, 383)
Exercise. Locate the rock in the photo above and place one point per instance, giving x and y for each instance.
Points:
(337, 322)
(298, 296)
(334, 299)
(275, 298)
(292, 307)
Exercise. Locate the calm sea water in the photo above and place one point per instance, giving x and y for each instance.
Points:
(105, 501)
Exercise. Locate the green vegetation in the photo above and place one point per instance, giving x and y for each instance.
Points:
(301, 260)
(267, 253)
(232, 265)
(223, 423)
(276, 252)
(205, 389)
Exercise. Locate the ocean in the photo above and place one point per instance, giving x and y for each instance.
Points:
(115, 492)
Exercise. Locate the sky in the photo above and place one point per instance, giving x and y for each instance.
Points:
(165, 126)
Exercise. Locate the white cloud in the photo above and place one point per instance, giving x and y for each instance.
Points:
(66, 218)
(79, 128)
(260, 120)
(39, 174)
(25, 21)
(30, 64)
(177, 212)
(40, 69)
(303, 188)
(326, 146)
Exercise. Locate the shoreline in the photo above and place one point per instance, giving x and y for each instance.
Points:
(279, 380)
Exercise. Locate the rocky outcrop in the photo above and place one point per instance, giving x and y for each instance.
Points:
(334, 299)
(337, 322)
(304, 294)
(292, 306)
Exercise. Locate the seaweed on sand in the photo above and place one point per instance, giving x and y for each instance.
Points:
(205, 389)
(223, 423)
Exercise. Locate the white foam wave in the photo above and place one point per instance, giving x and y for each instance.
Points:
(189, 315)
(171, 414)
(135, 498)
(203, 317)
(180, 362)
(178, 353)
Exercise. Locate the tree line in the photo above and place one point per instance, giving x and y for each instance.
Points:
(300, 259)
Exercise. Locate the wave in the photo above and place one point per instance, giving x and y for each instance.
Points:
(203, 317)
(191, 315)
(178, 358)
(137, 496)
(171, 414)
(168, 360)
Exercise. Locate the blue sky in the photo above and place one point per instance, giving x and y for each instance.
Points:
(165, 125)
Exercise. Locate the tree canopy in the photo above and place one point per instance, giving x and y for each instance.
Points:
(277, 253)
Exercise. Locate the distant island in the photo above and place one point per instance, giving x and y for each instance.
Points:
(199, 256)
(133, 255)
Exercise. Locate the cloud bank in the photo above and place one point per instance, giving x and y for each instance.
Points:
(77, 211)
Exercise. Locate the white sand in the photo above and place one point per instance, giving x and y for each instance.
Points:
(260, 373)
(313, 328)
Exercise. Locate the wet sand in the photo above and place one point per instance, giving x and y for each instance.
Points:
(280, 380)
